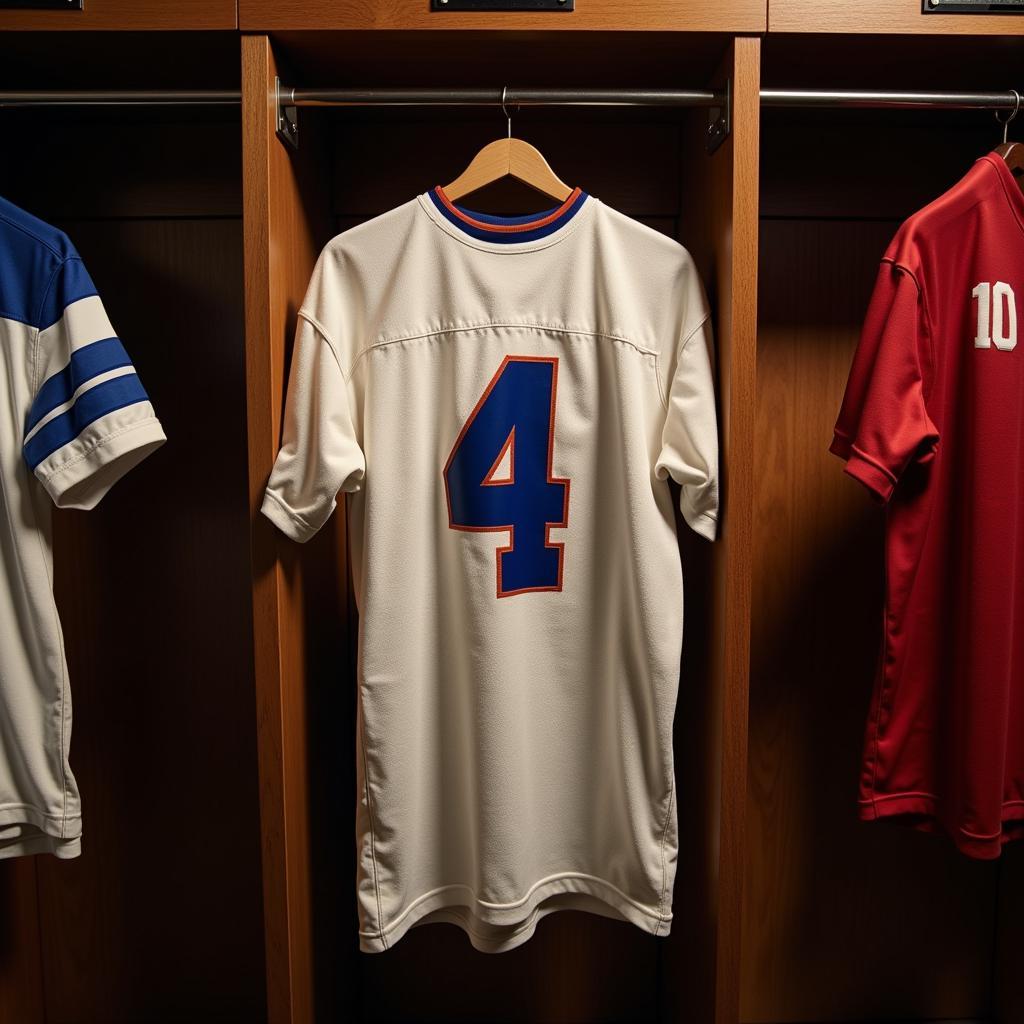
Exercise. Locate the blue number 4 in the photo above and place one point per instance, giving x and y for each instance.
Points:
(498, 476)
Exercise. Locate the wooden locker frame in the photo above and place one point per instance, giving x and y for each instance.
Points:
(280, 252)
(734, 188)
(781, 908)
(281, 247)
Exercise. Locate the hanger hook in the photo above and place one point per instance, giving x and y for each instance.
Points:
(509, 116)
(1016, 111)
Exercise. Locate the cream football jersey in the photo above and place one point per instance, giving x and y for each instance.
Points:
(504, 399)
(73, 418)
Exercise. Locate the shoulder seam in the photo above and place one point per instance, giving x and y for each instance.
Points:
(664, 386)
(322, 331)
(491, 325)
(38, 327)
(34, 381)
(896, 265)
(700, 323)
(38, 318)
(924, 310)
(31, 234)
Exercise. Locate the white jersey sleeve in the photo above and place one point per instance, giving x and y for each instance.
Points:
(689, 451)
(90, 419)
(320, 454)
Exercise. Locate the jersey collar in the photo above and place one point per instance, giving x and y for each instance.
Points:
(504, 230)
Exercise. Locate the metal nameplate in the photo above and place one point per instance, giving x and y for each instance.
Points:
(972, 7)
(502, 5)
(41, 5)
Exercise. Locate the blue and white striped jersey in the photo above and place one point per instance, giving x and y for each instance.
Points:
(74, 418)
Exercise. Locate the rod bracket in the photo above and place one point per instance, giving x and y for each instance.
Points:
(287, 115)
(719, 121)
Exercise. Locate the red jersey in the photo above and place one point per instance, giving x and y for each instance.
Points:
(932, 424)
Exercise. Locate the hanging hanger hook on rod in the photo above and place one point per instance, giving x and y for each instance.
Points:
(1012, 115)
(504, 110)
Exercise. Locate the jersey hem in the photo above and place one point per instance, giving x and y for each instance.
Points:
(62, 849)
(705, 524)
(865, 470)
(924, 813)
(496, 929)
(290, 523)
(58, 834)
(116, 452)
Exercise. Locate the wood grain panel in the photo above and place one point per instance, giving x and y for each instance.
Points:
(168, 59)
(298, 595)
(1009, 996)
(152, 591)
(877, 164)
(884, 16)
(420, 154)
(573, 969)
(859, 61)
(21, 975)
(122, 15)
(650, 15)
(475, 56)
(842, 919)
(832, 184)
(157, 174)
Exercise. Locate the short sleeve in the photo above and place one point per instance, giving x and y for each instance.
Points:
(320, 454)
(90, 419)
(689, 450)
(883, 423)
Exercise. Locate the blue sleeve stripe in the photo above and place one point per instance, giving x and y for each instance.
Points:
(87, 362)
(72, 283)
(105, 398)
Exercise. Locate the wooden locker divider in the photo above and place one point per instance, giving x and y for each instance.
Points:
(736, 253)
(720, 217)
(300, 598)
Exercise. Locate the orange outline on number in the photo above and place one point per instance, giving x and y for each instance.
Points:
(509, 528)
(510, 443)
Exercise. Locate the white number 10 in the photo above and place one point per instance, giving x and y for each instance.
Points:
(992, 324)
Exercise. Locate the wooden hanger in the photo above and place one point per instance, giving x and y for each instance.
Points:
(1012, 152)
(505, 157)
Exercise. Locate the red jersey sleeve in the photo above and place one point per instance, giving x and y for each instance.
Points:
(883, 423)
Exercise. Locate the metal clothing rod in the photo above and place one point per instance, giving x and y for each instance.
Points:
(642, 98)
(492, 97)
(120, 98)
(301, 97)
(897, 100)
